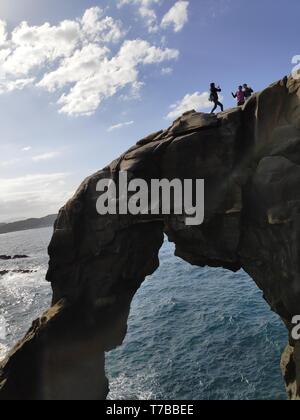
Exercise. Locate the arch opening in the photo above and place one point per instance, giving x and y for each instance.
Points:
(198, 333)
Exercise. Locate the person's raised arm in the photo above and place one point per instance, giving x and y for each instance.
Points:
(234, 95)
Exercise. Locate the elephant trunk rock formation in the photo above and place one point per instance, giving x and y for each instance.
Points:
(250, 160)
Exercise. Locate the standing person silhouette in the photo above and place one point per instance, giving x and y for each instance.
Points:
(240, 96)
(214, 97)
(248, 91)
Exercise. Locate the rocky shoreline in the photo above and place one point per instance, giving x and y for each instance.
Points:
(15, 271)
(15, 257)
(4, 272)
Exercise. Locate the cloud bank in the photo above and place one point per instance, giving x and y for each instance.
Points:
(197, 101)
(28, 195)
(74, 59)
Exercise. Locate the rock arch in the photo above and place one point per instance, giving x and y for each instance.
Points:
(250, 160)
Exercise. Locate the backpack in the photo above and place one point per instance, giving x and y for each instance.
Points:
(248, 92)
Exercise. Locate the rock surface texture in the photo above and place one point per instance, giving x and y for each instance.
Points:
(250, 160)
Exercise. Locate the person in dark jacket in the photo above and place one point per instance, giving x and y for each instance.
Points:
(214, 97)
(248, 91)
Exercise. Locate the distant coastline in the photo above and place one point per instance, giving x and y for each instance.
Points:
(28, 224)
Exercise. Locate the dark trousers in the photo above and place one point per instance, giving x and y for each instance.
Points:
(217, 103)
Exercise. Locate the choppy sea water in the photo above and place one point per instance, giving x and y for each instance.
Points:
(194, 333)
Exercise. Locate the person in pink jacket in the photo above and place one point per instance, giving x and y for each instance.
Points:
(240, 96)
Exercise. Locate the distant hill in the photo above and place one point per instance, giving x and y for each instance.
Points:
(28, 224)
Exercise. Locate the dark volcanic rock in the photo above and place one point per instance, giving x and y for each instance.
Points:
(15, 257)
(250, 160)
(19, 257)
(4, 272)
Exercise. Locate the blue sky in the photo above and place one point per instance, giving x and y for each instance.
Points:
(74, 95)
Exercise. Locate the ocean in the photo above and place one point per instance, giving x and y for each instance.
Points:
(194, 333)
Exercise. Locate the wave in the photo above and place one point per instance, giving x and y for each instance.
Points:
(3, 352)
(139, 387)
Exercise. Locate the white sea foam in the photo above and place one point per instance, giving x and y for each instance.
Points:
(24, 296)
(139, 387)
(24, 280)
(3, 333)
(3, 352)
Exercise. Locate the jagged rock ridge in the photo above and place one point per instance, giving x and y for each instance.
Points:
(250, 160)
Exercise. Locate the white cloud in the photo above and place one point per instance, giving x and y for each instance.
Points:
(150, 17)
(146, 10)
(8, 163)
(37, 158)
(11, 85)
(99, 28)
(3, 33)
(17, 187)
(166, 71)
(134, 92)
(45, 156)
(74, 57)
(83, 64)
(111, 76)
(177, 16)
(196, 101)
(119, 126)
(34, 46)
(30, 195)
